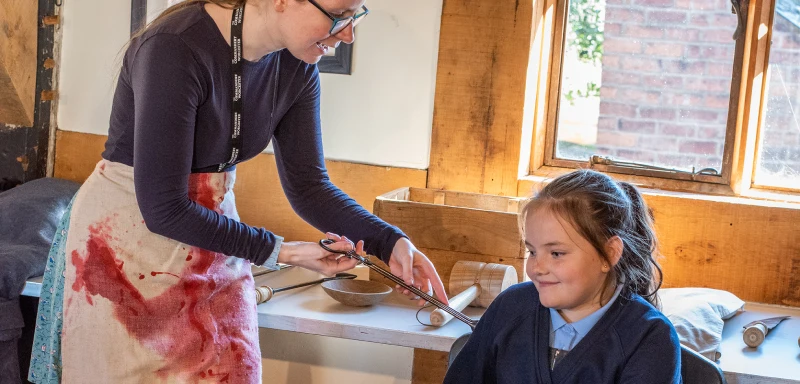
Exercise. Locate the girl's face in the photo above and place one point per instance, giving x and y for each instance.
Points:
(305, 28)
(567, 271)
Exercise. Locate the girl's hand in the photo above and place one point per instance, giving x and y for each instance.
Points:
(311, 256)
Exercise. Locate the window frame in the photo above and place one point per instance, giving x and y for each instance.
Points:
(755, 188)
(744, 121)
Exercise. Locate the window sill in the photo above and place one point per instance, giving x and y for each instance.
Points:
(675, 188)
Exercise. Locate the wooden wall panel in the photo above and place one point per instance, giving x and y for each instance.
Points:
(18, 42)
(76, 154)
(28, 56)
(261, 201)
(429, 366)
(480, 92)
(259, 196)
(750, 250)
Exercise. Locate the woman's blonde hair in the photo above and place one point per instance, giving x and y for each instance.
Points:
(165, 15)
(177, 8)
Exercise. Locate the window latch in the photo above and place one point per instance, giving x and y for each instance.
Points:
(605, 160)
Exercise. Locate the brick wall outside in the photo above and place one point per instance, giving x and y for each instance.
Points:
(666, 79)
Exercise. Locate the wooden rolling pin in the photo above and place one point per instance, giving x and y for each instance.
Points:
(477, 284)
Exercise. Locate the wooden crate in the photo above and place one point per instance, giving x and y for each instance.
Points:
(449, 226)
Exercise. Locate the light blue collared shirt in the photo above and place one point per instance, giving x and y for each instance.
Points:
(565, 336)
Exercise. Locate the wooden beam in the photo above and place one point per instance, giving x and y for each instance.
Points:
(480, 93)
(753, 75)
(18, 46)
(536, 100)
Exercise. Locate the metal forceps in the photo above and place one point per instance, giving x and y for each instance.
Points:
(399, 281)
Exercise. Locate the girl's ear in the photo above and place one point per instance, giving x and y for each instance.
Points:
(614, 247)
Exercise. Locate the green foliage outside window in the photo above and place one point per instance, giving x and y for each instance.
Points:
(585, 18)
(586, 37)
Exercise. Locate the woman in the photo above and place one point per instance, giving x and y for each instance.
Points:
(148, 291)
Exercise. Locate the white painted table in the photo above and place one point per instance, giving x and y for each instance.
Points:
(310, 310)
(775, 361)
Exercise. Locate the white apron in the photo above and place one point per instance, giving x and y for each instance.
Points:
(143, 308)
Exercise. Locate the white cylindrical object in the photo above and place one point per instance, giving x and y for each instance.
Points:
(457, 302)
(263, 294)
(754, 335)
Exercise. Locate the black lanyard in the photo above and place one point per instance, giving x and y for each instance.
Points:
(237, 19)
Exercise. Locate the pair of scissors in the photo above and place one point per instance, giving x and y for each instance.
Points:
(324, 243)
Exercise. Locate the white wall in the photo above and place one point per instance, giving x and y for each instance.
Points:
(91, 49)
(384, 110)
(382, 114)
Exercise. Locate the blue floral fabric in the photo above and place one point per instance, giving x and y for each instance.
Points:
(45, 365)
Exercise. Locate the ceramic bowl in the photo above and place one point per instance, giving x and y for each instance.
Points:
(356, 293)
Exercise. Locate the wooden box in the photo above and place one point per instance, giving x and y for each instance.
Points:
(449, 226)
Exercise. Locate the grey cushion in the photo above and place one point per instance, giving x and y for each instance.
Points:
(29, 215)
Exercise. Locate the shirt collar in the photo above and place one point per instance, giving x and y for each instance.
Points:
(582, 326)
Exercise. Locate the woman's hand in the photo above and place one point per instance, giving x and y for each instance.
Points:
(416, 270)
(312, 256)
(411, 265)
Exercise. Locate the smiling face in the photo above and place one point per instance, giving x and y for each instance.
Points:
(566, 269)
(304, 28)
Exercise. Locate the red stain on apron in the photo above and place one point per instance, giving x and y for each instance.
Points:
(154, 273)
(202, 192)
(198, 324)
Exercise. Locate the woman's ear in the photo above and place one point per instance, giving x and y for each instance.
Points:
(614, 247)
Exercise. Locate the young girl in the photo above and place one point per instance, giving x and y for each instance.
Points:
(588, 315)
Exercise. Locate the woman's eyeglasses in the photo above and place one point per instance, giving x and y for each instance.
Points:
(340, 23)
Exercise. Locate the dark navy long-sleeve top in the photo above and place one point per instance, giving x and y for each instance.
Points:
(171, 116)
(632, 343)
